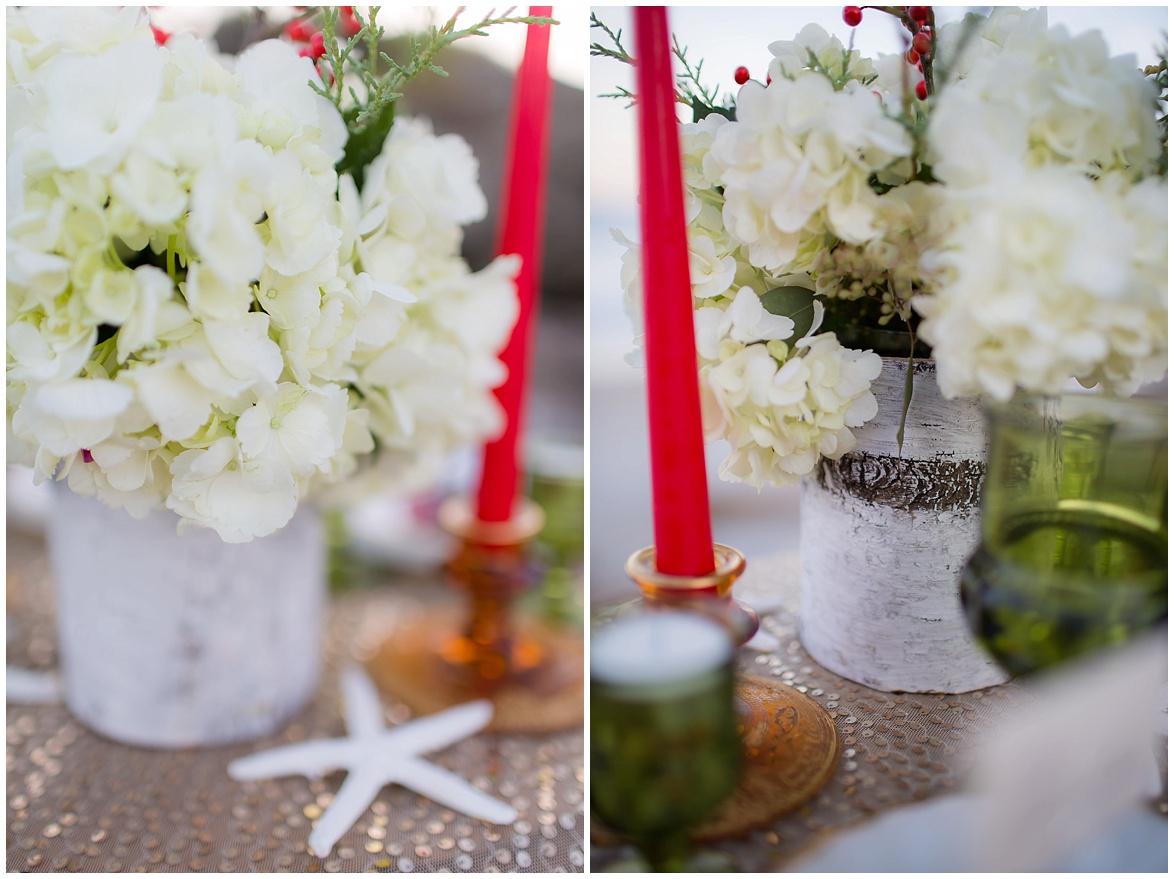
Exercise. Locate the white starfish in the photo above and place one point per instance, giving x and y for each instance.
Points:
(374, 756)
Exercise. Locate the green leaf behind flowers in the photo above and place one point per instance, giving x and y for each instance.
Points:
(797, 303)
(364, 145)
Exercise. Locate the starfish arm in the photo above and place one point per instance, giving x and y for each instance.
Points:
(360, 704)
(360, 788)
(310, 759)
(438, 730)
(453, 791)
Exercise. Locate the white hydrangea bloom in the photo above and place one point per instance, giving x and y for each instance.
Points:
(201, 315)
(887, 267)
(219, 488)
(94, 105)
(300, 428)
(793, 57)
(423, 188)
(780, 405)
(795, 166)
(779, 419)
(67, 416)
(1078, 288)
(425, 361)
(699, 172)
(1042, 272)
(1046, 98)
(962, 45)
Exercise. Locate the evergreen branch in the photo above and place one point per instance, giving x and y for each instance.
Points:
(619, 52)
(369, 116)
(689, 88)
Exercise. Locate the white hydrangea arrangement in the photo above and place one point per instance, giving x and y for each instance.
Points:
(203, 313)
(1011, 217)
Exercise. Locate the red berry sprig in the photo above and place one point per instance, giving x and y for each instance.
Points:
(741, 76)
(348, 22)
(299, 30)
(316, 48)
(919, 22)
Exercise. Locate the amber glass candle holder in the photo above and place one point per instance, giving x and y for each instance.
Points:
(484, 648)
(708, 594)
(790, 746)
(493, 566)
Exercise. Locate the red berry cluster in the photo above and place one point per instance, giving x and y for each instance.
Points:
(917, 20)
(303, 30)
(348, 22)
(921, 45)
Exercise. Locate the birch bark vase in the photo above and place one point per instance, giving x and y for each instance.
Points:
(171, 640)
(884, 535)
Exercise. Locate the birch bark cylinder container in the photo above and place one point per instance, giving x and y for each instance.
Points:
(171, 640)
(884, 535)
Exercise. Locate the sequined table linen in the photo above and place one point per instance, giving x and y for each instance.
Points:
(897, 748)
(79, 802)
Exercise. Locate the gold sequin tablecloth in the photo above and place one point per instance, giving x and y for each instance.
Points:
(78, 802)
(896, 748)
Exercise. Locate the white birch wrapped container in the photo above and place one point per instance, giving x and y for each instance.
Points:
(884, 534)
(171, 640)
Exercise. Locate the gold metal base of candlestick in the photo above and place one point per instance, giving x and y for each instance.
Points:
(791, 749)
(790, 744)
(532, 672)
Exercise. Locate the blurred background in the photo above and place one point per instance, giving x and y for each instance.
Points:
(724, 38)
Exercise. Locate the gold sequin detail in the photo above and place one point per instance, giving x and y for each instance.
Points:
(78, 802)
(897, 748)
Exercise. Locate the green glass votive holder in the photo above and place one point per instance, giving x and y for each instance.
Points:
(555, 470)
(665, 749)
(1073, 555)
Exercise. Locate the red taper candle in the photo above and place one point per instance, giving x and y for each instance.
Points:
(680, 496)
(522, 219)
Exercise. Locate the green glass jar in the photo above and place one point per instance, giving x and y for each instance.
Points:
(665, 750)
(1073, 555)
(556, 484)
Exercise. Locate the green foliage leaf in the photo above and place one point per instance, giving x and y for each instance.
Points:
(797, 303)
(701, 109)
(364, 145)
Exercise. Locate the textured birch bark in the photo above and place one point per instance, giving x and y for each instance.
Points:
(884, 534)
(173, 641)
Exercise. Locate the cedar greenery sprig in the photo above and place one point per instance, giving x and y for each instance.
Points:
(381, 78)
(690, 91)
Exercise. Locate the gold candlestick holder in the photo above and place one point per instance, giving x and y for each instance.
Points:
(485, 649)
(790, 744)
